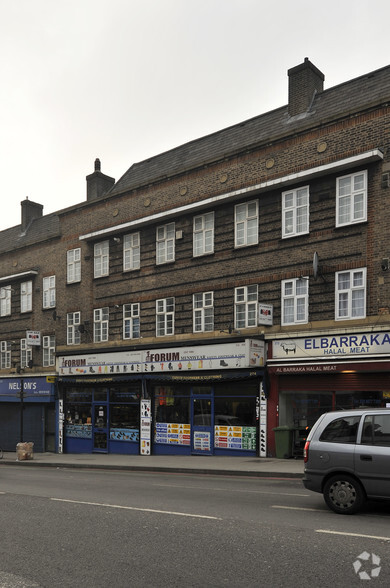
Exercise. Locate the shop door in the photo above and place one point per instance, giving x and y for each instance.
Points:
(100, 428)
(202, 421)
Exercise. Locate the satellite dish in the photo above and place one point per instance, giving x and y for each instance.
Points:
(315, 265)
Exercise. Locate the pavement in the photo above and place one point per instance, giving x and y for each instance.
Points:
(189, 464)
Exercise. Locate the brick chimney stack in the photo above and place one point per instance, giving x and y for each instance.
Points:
(305, 80)
(30, 211)
(98, 183)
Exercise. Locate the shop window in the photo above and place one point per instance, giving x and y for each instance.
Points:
(73, 267)
(131, 252)
(165, 243)
(5, 301)
(203, 234)
(101, 259)
(124, 422)
(26, 297)
(295, 212)
(172, 415)
(246, 224)
(78, 420)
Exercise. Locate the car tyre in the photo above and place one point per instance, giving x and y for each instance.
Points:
(344, 494)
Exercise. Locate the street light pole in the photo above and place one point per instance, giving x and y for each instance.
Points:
(21, 408)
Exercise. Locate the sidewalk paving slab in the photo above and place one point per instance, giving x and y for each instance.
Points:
(190, 464)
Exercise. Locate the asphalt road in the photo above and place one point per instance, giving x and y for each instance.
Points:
(96, 528)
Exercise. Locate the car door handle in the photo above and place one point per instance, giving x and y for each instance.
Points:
(366, 457)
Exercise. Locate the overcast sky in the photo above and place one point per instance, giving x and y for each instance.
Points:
(124, 80)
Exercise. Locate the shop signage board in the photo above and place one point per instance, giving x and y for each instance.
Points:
(332, 346)
(246, 354)
(32, 387)
(231, 437)
(202, 441)
(33, 338)
(173, 433)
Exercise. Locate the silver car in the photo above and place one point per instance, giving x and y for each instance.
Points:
(347, 458)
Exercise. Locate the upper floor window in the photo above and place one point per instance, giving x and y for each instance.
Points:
(101, 255)
(246, 224)
(295, 301)
(165, 243)
(131, 252)
(203, 305)
(49, 292)
(73, 259)
(351, 199)
(131, 321)
(26, 297)
(5, 355)
(100, 324)
(203, 234)
(49, 348)
(25, 354)
(165, 315)
(73, 321)
(295, 205)
(5, 301)
(351, 294)
(245, 306)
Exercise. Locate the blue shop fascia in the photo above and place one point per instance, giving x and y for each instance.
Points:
(202, 399)
(31, 415)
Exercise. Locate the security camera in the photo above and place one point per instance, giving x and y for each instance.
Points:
(385, 264)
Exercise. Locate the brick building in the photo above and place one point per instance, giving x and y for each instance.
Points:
(190, 306)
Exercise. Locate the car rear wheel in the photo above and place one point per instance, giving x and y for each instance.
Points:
(343, 494)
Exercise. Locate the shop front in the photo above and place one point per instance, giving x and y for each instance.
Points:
(200, 400)
(27, 413)
(313, 375)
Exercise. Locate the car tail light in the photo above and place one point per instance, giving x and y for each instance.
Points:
(306, 451)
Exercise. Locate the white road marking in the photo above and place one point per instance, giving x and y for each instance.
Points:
(353, 534)
(296, 508)
(168, 512)
(230, 490)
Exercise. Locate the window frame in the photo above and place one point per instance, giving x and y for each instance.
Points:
(296, 298)
(249, 304)
(131, 252)
(49, 292)
(294, 208)
(49, 348)
(73, 335)
(165, 318)
(5, 300)
(73, 266)
(249, 218)
(26, 296)
(353, 195)
(165, 243)
(203, 236)
(101, 259)
(5, 355)
(199, 313)
(25, 353)
(131, 320)
(101, 318)
(349, 294)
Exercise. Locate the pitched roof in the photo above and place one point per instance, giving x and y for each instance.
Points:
(339, 101)
(39, 230)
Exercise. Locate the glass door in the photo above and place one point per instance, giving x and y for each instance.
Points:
(100, 427)
(202, 420)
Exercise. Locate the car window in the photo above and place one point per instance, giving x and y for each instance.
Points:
(376, 430)
(341, 430)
